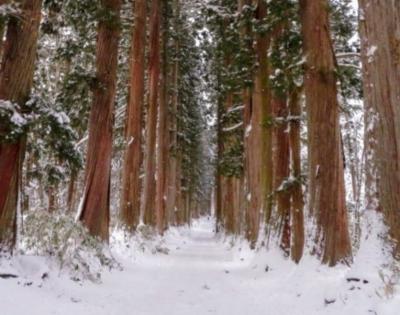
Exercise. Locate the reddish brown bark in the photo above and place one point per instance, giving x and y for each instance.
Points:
(149, 186)
(9, 174)
(250, 181)
(2, 31)
(230, 206)
(16, 79)
(52, 198)
(163, 140)
(262, 98)
(326, 176)
(131, 189)
(95, 204)
(380, 29)
(72, 191)
(178, 210)
(282, 171)
(297, 206)
(219, 180)
(173, 128)
(259, 134)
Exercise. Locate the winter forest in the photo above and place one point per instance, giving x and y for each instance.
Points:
(199, 157)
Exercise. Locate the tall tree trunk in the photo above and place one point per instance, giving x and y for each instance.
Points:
(219, 182)
(297, 206)
(250, 182)
(259, 133)
(229, 205)
(282, 171)
(52, 198)
(179, 191)
(173, 126)
(131, 189)
(95, 203)
(326, 175)
(151, 123)
(163, 135)
(72, 191)
(380, 38)
(24, 186)
(227, 182)
(262, 98)
(16, 78)
(2, 31)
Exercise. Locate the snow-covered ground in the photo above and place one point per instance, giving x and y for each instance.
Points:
(203, 274)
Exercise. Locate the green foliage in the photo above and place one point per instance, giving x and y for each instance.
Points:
(14, 124)
(63, 81)
(344, 26)
(190, 116)
(286, 58)
(57, 138)
(231, 63)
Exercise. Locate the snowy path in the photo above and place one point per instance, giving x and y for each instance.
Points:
(199, 276)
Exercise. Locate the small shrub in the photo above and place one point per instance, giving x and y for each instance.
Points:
(68, 242)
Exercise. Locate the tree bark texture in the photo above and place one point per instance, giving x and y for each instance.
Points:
(251, 199)
(131, 183)
(326, 175)
(172, 122)
(95, 205)
(282, 171)
(163, 137)
(16, 78)
(262, 99)
(228, 204)
(380, 38)
(297, 205)
(259, 137)
(149, 186)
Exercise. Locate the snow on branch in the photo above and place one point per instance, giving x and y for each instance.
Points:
(234, 127)
(349, 65)
(349, 54)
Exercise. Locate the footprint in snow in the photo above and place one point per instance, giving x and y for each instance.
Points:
(329, 301)
(75, 300)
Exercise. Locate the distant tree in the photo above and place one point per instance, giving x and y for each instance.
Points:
(149, 182)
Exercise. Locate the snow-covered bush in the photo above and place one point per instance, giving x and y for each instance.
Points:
(67, 243)
(14, 123)
(144, 240)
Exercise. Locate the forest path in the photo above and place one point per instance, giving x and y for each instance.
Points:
(196, 277)
(201, 274)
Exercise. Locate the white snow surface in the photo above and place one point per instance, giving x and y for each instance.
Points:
(206, 274)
